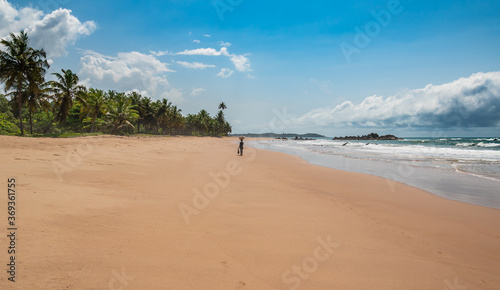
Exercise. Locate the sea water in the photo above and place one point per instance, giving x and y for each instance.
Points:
(463, 169)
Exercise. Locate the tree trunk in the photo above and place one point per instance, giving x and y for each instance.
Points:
(115, 127)
(45, 130)
(93, 124)
(31, 124)
(20, 106)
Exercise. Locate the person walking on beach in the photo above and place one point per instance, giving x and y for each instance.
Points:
(240, 149)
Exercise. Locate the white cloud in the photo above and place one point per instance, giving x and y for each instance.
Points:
(58, 30)
(195, 65)
(196, 41)
(241, 63)
(53, 32)
(226, 44)
(197, 91)
(174, 95)
(225, 73)
(207, 35)
(204, 51)
(466, 102)
(127, 72)
(160, 53)
(13, 20)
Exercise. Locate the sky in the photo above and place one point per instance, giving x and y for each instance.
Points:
(402, 67)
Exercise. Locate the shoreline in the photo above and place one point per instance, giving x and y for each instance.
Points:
(453, 185)
(266, 220)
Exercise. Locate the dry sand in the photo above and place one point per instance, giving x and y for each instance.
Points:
(131, 213)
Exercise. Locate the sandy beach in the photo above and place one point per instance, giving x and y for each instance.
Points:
(109, 212)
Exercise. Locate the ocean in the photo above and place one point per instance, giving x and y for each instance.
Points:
(462, 169)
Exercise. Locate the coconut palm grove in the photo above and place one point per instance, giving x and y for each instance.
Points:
(63, 107)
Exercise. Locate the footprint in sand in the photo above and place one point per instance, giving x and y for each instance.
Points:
(240, 285)
(224, 264)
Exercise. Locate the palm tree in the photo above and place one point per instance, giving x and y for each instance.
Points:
(176, 119)
(191, 124)
(121, 115)
(222, 106)
(37, 97)
(19, 64)
(203, 122)
(227, 128)
(65, 89)
(94, 103)
(148, 114)
(115, 96)
(220, 122)
(163, 114)
(38, 92)
(136, 99)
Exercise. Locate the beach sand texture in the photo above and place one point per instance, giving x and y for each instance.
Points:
(111, 212)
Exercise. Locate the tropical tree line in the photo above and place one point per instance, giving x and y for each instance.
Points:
(32, 104)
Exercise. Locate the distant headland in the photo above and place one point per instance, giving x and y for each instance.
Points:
(371, 136)
(286, 135)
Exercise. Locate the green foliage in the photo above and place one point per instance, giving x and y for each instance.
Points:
(64, 108)
(73, 121)
(43, 123)
(22, 69)
(65, 90)
(94, 105)
(121, 115)
(7, 126)
(4, 104)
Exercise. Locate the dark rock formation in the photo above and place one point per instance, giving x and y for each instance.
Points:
(371, 136)
(283, 135)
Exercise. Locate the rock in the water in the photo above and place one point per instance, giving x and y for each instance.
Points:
(371, 136)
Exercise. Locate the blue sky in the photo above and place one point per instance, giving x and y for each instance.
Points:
(413, 68)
